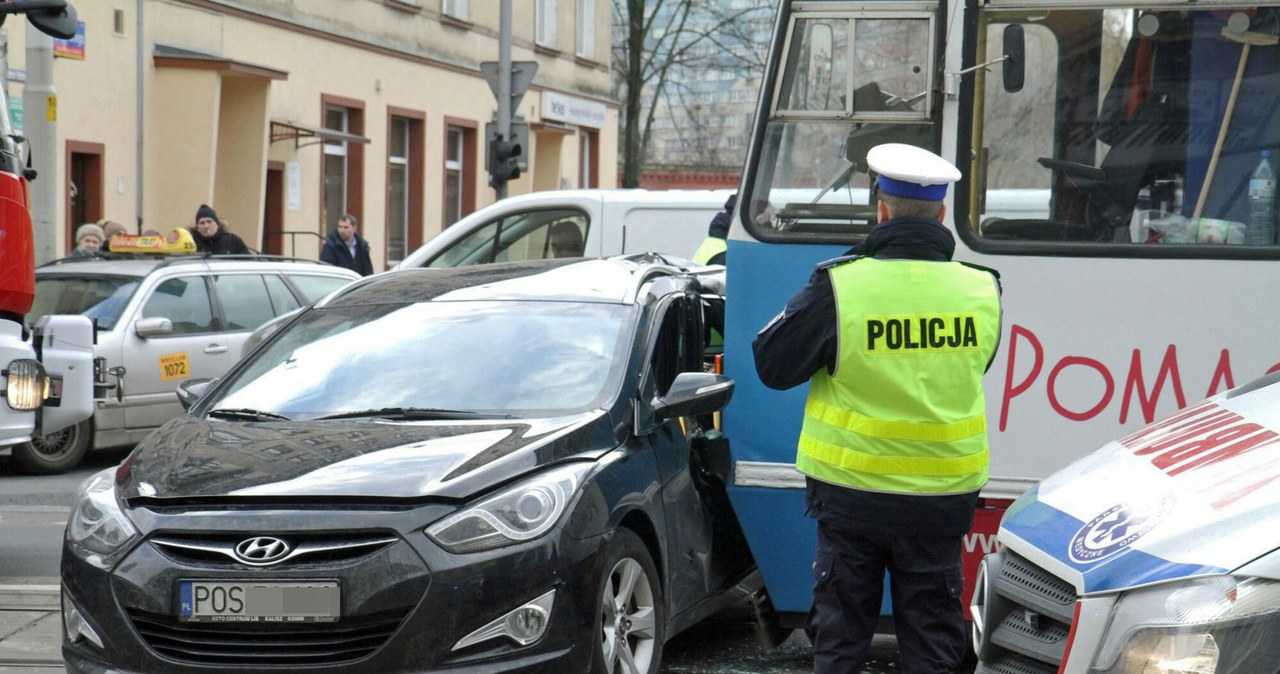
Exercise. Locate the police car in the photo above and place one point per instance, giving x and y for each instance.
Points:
(1157, 553)
(161, 319)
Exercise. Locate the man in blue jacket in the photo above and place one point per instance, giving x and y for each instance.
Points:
(344, 247)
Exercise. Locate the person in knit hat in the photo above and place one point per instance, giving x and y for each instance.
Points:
(110, 229)
(211, 238)
(89, 238)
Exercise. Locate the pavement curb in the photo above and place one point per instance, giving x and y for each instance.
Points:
(47, 597)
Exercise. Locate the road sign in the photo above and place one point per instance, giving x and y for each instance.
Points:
(521, 77)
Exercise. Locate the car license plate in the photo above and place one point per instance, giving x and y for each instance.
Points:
(258, 601)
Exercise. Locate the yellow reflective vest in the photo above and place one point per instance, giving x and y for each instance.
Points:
(711, 247)
(904, 411)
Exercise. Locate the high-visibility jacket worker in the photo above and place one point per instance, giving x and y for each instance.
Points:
(894, 343)
(714, 247)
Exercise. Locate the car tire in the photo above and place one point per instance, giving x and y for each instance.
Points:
(630, 625)
(55, 453)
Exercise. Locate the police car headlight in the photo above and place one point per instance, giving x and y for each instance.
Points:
(97, 524)
(518, 513)
(24, 384)
(1205, 626)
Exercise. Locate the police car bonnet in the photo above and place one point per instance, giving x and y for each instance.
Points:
(911, 172)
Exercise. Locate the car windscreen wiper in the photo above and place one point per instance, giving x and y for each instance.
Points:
(246, 413)
(417, 413)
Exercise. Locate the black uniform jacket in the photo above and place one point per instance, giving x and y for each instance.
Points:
(803, 338)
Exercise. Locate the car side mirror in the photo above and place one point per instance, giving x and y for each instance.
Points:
(153, 327)
(190, 391)
(1015, 58)
(694, 394)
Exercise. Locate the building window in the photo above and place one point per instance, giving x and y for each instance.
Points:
(457, 9)
(406, 200)
(336, 167)
(454, 165)
(342, 170)
(586, 28)
(398, 190)
(546, 23)
(588, 158)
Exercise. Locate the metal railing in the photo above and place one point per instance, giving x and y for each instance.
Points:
(293, 237)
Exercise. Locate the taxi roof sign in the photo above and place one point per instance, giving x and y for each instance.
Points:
(178, 241)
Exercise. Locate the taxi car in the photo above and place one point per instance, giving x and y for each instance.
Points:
(160, 321)
(507, 467)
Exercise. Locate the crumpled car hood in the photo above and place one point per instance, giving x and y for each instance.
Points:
(190, 458)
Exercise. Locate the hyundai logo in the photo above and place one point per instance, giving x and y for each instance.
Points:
(262, 550)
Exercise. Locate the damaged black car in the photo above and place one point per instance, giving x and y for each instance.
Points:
(512, 467)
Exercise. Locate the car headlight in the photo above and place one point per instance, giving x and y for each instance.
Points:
(518, 513)
(1204, 626)
(24, 384)
(97, 523)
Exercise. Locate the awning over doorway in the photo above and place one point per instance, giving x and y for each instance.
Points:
(304, 134)
(167, 56)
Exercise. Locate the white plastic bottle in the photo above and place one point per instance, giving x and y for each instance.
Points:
(1262, 204)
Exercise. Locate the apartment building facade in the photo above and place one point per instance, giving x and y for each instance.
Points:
(284, 114)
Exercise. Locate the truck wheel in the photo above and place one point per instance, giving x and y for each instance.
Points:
(55, 453)
(631, 621)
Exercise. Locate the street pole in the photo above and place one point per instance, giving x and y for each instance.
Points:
(40, 126)
(504, 83)
(139, 104)
(4, 64)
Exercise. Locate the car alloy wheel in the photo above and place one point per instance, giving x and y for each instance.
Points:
(632, 615)
(57, 452)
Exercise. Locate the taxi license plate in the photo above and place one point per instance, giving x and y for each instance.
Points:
(258, 601)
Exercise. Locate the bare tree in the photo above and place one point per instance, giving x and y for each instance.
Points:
(660, 46)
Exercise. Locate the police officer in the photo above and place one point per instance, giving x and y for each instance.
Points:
(894, 343)
(714, 247)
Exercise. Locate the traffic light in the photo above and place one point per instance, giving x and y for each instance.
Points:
(504, 160)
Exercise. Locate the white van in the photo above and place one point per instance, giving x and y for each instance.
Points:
(608, 222)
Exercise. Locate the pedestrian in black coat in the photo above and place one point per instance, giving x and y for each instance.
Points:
(212, 238)
(344, 247)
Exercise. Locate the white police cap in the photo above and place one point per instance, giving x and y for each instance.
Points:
(911, 172)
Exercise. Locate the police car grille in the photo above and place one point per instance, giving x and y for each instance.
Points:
(266, 644)
(1029, 629)
(218, 550)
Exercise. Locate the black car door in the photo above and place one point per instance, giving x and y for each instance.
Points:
(705, 550)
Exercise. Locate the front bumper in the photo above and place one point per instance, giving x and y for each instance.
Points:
(403, 604)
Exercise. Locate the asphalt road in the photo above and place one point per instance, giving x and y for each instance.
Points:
(34, 510)
(33, 514)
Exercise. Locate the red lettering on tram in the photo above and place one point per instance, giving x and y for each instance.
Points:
(1167, 378)
(1086, 362)
(1168, 367)
(1010, 391)
(1222, 373)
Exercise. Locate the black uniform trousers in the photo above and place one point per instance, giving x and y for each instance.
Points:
(925, 582)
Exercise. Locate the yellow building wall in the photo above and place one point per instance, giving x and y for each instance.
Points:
(206, 137)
